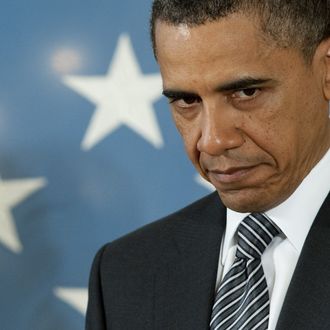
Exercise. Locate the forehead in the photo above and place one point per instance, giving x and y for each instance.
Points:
(231, 46)
(226, 32)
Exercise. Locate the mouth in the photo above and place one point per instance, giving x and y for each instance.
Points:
(230, 175)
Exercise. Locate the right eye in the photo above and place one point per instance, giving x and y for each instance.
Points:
(185, 102)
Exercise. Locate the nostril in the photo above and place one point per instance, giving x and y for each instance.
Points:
(217, 142)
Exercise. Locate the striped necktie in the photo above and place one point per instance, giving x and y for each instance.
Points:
(242, 300)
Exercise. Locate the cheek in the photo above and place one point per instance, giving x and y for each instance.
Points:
(264, 129)
(190, 133)
(272, 126)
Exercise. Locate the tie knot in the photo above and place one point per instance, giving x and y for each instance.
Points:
(255, 233)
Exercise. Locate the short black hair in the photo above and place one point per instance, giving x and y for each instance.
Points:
(300, 24)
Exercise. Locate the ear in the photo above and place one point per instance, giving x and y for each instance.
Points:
(327, 69)
(321, 64)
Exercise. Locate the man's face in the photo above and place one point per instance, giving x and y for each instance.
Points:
(253, 117)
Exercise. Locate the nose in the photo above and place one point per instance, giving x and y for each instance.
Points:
(219, 132)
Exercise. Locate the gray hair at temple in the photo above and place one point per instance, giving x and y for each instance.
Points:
(300, 24)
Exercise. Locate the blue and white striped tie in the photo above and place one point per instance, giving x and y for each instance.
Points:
(242, 300)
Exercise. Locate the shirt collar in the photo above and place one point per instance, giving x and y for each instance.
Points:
(296, 214)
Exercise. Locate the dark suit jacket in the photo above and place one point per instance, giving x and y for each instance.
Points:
(163, 275)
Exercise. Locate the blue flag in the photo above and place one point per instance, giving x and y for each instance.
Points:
(88, 150)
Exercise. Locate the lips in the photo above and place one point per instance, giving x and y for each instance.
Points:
(230, 175)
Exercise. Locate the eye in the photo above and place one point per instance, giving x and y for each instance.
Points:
(246, 94)
(185, 102)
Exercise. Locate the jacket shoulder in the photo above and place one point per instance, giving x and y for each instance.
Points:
(124, 271)
(157, 235)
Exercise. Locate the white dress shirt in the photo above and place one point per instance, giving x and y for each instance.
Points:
(294, 217)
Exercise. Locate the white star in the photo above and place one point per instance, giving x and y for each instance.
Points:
(77, 298)
(123, 96)
(13, 192)
(206, 184)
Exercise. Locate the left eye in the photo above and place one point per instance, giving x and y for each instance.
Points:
(246, 94)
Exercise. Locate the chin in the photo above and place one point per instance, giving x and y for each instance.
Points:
(244, 202)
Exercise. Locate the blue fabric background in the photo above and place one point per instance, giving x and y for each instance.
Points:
(91, 197)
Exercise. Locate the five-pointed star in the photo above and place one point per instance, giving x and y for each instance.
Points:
(13, 192)
(75, 297)
(123, 97)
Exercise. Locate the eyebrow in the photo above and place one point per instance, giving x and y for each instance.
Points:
(177, 94)
(243, 83)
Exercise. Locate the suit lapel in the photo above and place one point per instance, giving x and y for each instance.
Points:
(306, 305)
(184, 288)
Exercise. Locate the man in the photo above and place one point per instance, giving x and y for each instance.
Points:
(248, 84)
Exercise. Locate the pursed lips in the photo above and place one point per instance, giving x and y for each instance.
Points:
(230, 174)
